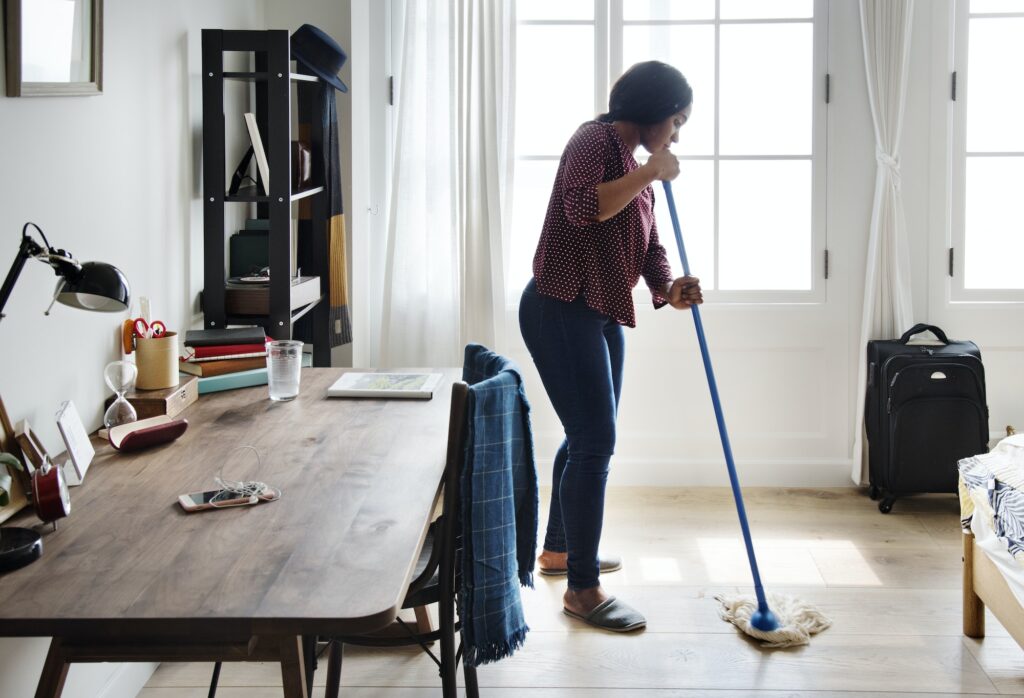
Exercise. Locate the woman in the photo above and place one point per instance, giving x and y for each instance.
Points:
(598, 239)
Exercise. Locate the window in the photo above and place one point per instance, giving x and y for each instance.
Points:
(988, 156)
(751, 191)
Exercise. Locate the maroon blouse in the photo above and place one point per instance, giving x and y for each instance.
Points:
(600, 260)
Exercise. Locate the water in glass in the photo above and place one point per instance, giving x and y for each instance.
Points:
(284, 361)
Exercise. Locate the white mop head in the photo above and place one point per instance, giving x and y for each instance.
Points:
(798, 620)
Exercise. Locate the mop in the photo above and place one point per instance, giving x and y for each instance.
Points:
(793, 621)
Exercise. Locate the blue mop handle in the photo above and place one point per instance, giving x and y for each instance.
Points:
(713, 386)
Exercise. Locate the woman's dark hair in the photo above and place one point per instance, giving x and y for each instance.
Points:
(647, 93)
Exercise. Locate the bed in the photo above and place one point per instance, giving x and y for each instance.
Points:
(992, 517)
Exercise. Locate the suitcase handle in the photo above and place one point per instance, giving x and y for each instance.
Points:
(922, 327)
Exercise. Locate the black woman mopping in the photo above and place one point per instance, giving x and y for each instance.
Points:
(599, 238)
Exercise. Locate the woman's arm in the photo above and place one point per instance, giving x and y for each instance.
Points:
(614, 196)
(681, 292)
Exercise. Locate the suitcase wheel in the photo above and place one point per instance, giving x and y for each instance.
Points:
(885, 506)
(874, 492)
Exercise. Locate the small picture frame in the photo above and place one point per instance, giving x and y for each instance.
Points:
(31, 446)
(76, 439)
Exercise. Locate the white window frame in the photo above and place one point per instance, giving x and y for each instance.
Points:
(608, 25)
(958, 293)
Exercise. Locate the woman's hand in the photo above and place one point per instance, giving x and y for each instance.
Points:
(664, 165)
(683, 292)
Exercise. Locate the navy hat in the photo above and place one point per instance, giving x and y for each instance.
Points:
(320, 53)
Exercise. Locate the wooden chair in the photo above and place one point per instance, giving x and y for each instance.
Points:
(436, 578)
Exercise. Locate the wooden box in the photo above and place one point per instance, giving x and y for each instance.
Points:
(168, 401)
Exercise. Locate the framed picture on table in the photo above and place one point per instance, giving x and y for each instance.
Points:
(31, 446)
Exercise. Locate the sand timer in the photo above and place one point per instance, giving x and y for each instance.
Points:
(119, 375)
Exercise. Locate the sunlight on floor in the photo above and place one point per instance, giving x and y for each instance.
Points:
(782, 562)
(660, 569)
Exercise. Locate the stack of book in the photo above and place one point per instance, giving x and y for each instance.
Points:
(226, 358)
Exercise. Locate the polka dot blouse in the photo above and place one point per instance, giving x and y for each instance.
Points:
(602, 261)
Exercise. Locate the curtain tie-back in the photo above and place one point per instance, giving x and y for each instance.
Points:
(892, 164)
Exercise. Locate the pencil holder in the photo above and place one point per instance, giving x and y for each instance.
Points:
(157, 361)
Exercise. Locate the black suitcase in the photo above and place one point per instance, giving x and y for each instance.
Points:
(925, 409)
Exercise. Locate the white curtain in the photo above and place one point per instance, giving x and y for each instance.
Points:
(888, 311)
(450, 197)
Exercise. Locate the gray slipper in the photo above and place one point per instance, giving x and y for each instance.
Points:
(612, 614)
(604, 565)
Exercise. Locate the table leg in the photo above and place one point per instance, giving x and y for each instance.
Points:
(334, 669)
(55, 672)
(293, 667)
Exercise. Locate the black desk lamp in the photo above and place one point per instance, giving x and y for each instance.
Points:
(90, 286)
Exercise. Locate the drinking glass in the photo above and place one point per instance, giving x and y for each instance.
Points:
(284, 361)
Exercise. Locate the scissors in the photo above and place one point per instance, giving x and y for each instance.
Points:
(148, 330)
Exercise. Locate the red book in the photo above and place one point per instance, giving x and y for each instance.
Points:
(222, 351)
(218, 366)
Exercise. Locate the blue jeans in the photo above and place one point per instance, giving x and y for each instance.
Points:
(579, 354)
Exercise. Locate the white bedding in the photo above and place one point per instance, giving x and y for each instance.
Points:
(986, 539)
(992, 506)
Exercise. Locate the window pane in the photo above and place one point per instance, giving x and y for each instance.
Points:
(765, 225)
(767, 9)
(994, 223)
(995, 101)
(986, 6)
(767, 87)
(668, 9)
(562, 9)
(694, 193)
(532, 189)
(691, 49)
(548, 111)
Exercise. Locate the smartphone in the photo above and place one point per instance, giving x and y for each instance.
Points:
(199, 501)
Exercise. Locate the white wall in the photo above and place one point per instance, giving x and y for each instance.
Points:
(114, 178)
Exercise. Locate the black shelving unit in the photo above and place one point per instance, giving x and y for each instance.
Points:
(272, 80)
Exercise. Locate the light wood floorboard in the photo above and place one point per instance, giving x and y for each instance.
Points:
(891, 584)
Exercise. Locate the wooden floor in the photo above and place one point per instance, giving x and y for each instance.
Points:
(891, 583)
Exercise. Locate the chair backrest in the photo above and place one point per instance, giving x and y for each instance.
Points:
(442, 557)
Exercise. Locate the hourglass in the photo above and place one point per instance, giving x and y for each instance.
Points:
(119, 376)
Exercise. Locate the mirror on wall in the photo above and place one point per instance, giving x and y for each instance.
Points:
(54, 47)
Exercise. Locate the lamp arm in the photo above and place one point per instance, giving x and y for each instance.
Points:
(28, 248)
(64, 265)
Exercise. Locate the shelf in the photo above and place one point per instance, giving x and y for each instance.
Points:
(257, 319)
(255, 300)
(278, 92)
(262, 76)
(249, 195)
(306, 192)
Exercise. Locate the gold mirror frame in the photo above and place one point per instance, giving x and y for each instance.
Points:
(17, 88)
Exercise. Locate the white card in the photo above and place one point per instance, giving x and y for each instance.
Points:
(76, 439)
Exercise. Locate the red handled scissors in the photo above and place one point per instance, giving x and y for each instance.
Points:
(147, 330)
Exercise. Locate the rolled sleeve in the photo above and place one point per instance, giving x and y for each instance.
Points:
(586, 156)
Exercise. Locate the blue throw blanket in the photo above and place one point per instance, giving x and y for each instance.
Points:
(499, 509)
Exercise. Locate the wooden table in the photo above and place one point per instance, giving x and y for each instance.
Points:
(129, 576)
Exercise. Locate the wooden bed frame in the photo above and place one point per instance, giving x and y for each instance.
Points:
(984, 586)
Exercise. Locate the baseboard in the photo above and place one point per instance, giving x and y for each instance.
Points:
(710, 472)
